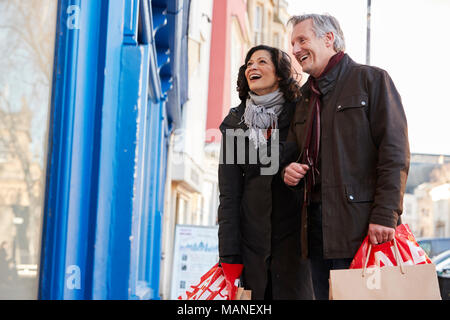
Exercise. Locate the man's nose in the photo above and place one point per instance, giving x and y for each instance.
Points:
(296, 48)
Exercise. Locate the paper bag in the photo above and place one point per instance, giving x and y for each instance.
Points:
(401, 282)
(242, 294)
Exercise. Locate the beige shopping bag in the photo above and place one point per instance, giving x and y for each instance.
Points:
(402, 282)
(242, 294)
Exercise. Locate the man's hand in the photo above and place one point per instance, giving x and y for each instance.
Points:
(379, 234)
(294, 172)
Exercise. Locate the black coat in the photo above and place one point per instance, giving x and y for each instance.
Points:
(259, 219)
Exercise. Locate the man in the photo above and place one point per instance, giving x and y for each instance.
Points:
(351, 133)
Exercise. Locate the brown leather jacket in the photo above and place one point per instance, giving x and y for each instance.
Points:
(364, 153)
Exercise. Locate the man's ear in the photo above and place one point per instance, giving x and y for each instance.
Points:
(329, 39)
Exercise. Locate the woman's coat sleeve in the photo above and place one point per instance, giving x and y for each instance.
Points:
(231, 181)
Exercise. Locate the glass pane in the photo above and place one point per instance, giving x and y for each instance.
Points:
(27, 36)
(258, 18)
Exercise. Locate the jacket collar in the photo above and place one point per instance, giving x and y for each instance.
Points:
(328, 81)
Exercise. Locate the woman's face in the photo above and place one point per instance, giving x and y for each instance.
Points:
(260, 73)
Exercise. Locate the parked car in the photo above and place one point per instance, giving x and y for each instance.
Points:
(440, 257)
(434, 246)
(443, 273)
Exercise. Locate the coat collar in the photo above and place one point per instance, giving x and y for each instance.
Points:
(328, 81)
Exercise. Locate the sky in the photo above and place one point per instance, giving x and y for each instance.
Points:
(410, 40)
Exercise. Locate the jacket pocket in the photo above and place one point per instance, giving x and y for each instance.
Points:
(352, 116)
(356, 193)
(352, 102)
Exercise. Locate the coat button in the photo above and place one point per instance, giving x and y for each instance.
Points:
(363, 103)
(351, 197)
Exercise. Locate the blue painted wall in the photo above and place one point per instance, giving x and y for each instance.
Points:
(113, 107)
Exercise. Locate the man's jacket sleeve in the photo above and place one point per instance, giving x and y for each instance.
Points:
(390, 135)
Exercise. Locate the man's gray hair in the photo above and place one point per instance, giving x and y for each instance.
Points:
(322, 24)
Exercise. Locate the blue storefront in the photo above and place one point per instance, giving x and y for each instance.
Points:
(116, 97)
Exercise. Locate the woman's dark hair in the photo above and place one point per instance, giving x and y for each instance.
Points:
(282, 62)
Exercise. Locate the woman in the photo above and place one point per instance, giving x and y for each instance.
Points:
(259, 222)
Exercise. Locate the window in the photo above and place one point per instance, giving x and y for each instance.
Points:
(276, 40)
(258, 24)
(27, 35)
(182, 210)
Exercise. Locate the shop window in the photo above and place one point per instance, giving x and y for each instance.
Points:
(27, 37)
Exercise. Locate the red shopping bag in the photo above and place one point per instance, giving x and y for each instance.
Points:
(384, 254)
(219, 283)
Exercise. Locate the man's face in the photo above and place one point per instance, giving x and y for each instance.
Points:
(311, 52)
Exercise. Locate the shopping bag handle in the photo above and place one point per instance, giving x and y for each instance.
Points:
(397, 258)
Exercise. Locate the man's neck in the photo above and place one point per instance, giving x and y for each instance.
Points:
(328, 58)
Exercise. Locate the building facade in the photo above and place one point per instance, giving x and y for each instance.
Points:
(427, 198)
(187, 192)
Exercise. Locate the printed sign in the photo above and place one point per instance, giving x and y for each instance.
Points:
(195, 252)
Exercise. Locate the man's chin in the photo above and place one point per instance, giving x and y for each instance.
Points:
(306, 70)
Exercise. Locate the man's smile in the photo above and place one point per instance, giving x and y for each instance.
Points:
(303, 57)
